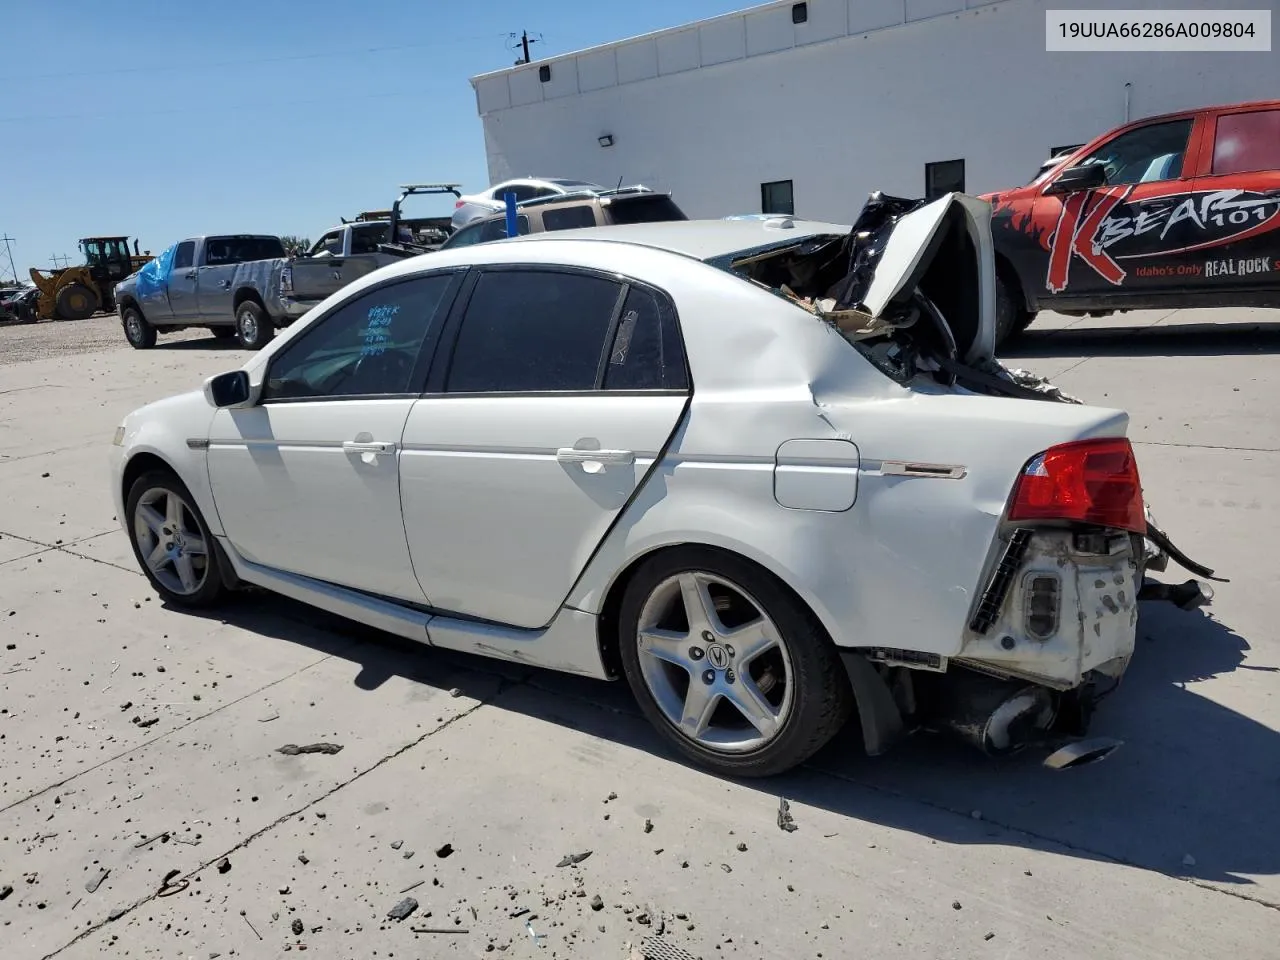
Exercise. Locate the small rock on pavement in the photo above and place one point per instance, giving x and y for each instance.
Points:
(597, 903)
(726, 868)
(403, 909)
(989, 936)
(297, 928)
(397, 844)
(955, 905)
(5, 891)
(92, 884)
(455, 692)
(444, 850)
(742, 848)
(292, 749)
(571, 859)
(648, 825)
(224, 865)
(302, 859)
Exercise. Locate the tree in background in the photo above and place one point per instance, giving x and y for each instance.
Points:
(295, 246)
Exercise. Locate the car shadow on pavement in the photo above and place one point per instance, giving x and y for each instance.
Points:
(1117, 340)
(210, 342)
(1192, 792)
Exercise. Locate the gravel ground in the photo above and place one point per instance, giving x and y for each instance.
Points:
(54, 338)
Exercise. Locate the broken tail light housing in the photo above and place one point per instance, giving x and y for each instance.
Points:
(1085, 481)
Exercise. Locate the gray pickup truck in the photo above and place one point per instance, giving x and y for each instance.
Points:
(229, 283)
(374, 239)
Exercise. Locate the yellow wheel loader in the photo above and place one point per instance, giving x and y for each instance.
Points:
(77, 293)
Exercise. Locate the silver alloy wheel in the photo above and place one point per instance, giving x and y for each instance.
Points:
(715, 663)
(248, 325)
(170, 541)
(133, 326)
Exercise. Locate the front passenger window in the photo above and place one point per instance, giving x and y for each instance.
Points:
(366, 347)
(1147, 154)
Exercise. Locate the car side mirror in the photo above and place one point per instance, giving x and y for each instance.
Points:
(1079, 178)
(229, 390)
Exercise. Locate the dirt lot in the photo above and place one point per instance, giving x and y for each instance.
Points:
(145, 809)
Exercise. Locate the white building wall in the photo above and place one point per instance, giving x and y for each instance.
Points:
(858, 98)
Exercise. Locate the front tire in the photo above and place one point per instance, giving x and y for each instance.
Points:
(75, 301)
(171, 541)
(728, 664)
(253, 327)
(140, 334)
(1011, 316)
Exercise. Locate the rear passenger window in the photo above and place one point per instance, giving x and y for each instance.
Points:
(1247, 142)
(532, 330)
(646, 353)
(567, 218)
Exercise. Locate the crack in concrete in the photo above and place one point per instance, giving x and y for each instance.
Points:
(503, 686)
(168, 733)
(1205, 446)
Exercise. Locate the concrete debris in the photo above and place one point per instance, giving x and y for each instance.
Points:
(5, 891)
(989, 936)
(611, 796)
(786, 822)
(297, 928)
(302, 859)
(572, 859)
(955, 905)
(455, 692)
(397, 844)
(117, 913)
(648, 825)
(91, 885)
(444, 851)
(146, 723)
(726, 868)
(742, 848)
(224, 865)
(292, 749)
(403, 909)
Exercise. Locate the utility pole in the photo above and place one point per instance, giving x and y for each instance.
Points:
(524, 45)
(12, 269)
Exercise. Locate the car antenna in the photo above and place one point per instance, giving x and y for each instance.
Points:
(619, 186)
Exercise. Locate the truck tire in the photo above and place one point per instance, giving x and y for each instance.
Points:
(1011, 316)
(75, 301)
(253, 326)
(140, 334)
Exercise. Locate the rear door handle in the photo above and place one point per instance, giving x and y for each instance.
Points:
(574, 455)
(369, 446)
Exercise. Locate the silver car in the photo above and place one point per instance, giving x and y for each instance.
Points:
(476, 205)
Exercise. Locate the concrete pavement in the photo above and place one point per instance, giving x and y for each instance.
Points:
(140, 740)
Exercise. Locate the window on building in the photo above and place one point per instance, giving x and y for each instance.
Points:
(1246, 142)
(943, 177)
(1144, 155)
(777, 197)
(646, 352)
(532, 330)
(367, 347)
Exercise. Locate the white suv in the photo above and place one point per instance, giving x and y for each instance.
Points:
(476, 205)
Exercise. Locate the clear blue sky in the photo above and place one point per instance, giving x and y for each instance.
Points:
(161, 120)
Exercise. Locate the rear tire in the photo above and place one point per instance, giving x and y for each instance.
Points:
(171, 541)
(253, 327)
(795, 686)
(1011, 316)
(140, 334)
(75, 301)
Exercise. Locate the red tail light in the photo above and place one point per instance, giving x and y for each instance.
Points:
(1087, 481)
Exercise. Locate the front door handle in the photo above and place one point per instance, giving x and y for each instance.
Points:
(190, 274)
(368, 446)
(576, 455)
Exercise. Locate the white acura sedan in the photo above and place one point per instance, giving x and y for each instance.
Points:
(767, 471)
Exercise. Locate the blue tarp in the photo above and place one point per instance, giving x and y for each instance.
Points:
(154, 276)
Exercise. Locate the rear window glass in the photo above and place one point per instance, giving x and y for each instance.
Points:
(1247, 142)
(566, 218)
(645, 209)
(242, 249)
(646, 353)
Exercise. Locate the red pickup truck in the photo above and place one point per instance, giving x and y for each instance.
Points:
(1180, 210)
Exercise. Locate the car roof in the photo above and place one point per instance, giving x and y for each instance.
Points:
(702, 239)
